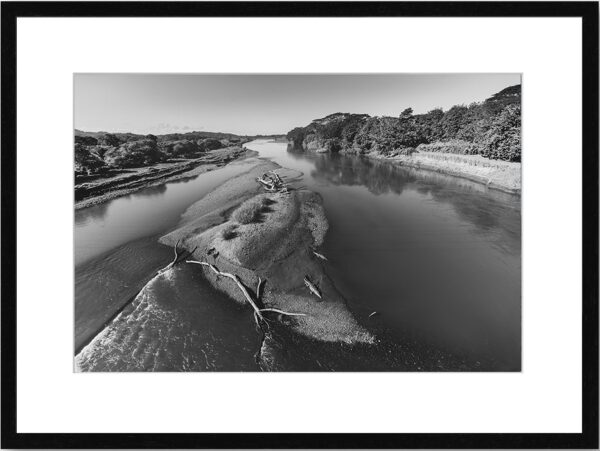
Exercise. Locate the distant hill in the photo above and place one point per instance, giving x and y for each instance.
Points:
(194, 136)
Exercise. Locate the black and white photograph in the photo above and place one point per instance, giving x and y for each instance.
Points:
(297, 222)
(377, 220)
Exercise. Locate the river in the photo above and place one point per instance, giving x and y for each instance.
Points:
(437, 257)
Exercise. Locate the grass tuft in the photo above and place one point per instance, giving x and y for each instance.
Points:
(453, 146)
(251, 210)
(229, 232)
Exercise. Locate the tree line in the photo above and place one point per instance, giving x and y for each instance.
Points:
(491, 128)
(96, 152)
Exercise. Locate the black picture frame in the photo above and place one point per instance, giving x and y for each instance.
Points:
(588, 11)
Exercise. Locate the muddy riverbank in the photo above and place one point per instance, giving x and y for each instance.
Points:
(104, 188)
(499, 175)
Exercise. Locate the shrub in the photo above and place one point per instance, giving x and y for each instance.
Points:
(99, 151)
(456, 158)
(134, 153)
(204, 145)
(229, 232)
(503, 139)
(296, 136)
(455, 146)
(180, 149)
(185, 148)
(250, 211)
(86, 140)
(408, 151)
(334, 145)
(108, 139)
(86, 161)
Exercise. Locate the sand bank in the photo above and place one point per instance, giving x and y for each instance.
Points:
(276, 246)
(501, 175)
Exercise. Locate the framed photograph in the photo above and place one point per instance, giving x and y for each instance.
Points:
(300, 225)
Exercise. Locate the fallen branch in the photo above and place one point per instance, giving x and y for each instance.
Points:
(258, 316)
(258, 312)
(272, 182)
(170, 265)
(321, 256)
(175, 250)
(277, 178)
(312, 287)
(266, 183)
(281, 312)
(260, 281)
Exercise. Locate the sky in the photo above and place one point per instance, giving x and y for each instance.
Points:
(251, 104)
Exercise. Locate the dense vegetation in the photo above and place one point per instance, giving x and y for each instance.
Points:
(98, 151)
(251, 210)
(491, 128)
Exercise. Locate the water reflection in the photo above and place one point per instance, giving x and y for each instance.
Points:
(104, 227)
(483, 207)
(438, 256)
(376, 177)
(85, 215)
(98, 212)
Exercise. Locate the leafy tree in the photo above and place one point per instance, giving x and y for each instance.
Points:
(182, 149)
(99, 151)
(453, 121)
(491, 128)
(496, 103)
(134, 153)
(332, 128)
(207, 144)
(108, 139)
(128, 137)
(296, 136)
(85, 161)
(365, 139)
(396, 135)
(351, 129)
(502, 141)
(407, 113)
(429, 124)
(86, 140)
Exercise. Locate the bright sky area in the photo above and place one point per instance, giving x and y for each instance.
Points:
(250, 104)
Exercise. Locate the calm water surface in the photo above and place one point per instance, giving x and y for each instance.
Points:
(104, 227)
(438, 257)
(116, 248)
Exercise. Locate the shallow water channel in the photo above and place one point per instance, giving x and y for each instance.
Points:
(437, 257)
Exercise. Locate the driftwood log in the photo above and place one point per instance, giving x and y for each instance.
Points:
(319, 255)
(312, 287)
(272, 182)
(259, 318)
(176, 259)
(258, 312)
(265, 182)
(277, 177)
